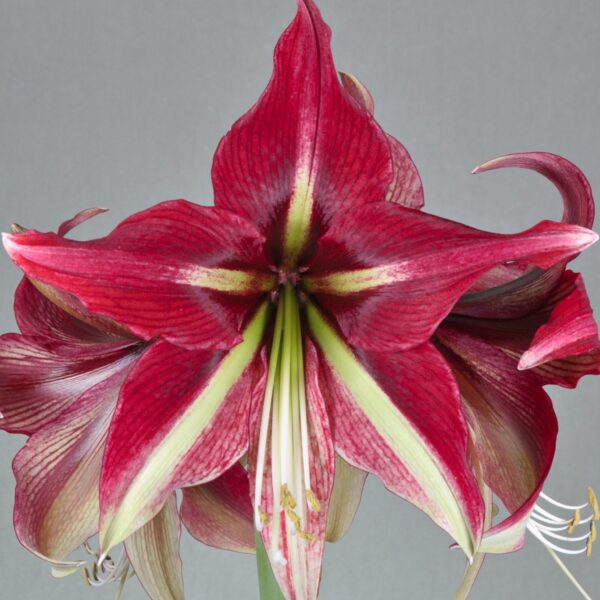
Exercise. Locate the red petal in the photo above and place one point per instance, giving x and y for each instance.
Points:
(182, 419)
(299, 578)
(219, 513)
(162, 272)
(420, 386)
(58, 472)
(566, 347)
(37, 383)
(154, 554)
(515, 289)
(406, 187)
(389, 274)
(305, 136)
(512, 417)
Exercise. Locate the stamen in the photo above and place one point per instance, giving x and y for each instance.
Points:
(284, 413)
(560, 504)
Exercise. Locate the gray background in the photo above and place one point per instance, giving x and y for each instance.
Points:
(121, 103)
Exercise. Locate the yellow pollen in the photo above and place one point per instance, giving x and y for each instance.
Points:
(86, 576)
(574, 522)
(313, 501)
(593, 501)
(264, 517)
(287, 498)
(288, 503)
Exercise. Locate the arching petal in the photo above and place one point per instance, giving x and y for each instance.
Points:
(406, 187)
(185, 272)
(58, 473)
(182, 419)
(219, 513)
(305, 150)
(153, 551)
(406, 409)
(514, 289)
(389, 274)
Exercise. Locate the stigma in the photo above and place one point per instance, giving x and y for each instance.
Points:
(283, 438)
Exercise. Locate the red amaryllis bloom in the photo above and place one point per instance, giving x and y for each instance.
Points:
(521, 328)
(59, 384)
(517, 329)
(291, 321)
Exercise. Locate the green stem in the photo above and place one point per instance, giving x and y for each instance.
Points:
(269, 590)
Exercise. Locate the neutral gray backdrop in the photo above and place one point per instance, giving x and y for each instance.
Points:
(121, 103)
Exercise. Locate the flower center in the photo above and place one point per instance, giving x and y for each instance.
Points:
(284, 427)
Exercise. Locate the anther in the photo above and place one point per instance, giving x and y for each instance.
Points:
(313, 501)
(574, 522)
(86, 576)
(16, 228)
(593, 501)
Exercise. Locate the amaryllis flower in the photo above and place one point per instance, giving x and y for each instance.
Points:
(290, 322)
(521, 328)
(59, 384)
(515, 330)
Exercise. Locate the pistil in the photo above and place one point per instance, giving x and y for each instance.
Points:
(285, 415)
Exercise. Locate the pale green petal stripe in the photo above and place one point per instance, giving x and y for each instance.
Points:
(357, 280)
(228, 280)
(393, 427)
(299, 217)
(184, 433)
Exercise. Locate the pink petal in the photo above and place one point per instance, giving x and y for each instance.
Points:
(219, 513)
(514, 289)
(421, 388)
(389, 275)
(511, 416)
(300, 576)
(305, 136)
(406, 187)
(189, 273)
(153, 551)
(58, 472)
(181, 420)
(38, 383)
(566, 347)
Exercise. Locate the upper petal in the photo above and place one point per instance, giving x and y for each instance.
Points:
(389, 274)
(406, 187)
(189, 273)
(411, 433)
(306, 150)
